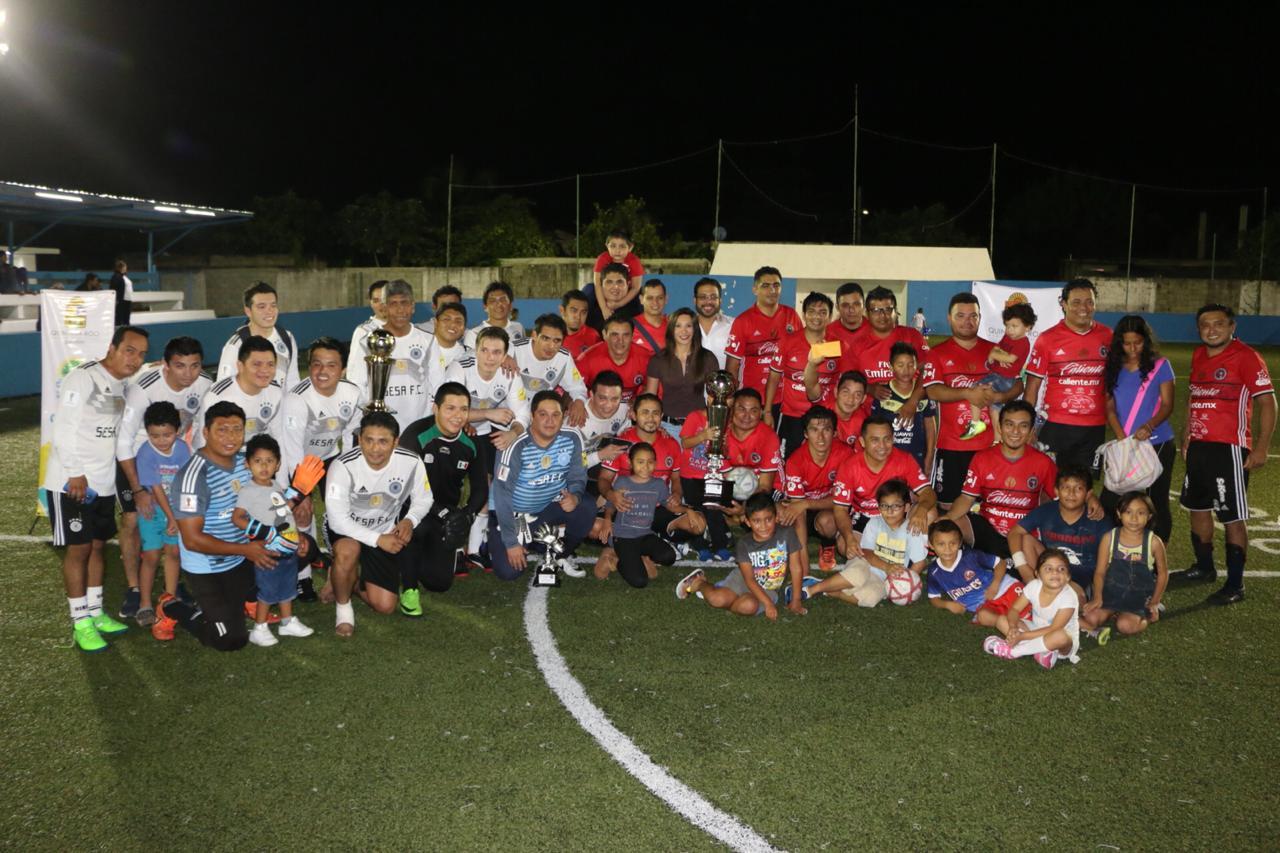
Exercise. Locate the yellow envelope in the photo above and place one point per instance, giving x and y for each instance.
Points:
(826, 349)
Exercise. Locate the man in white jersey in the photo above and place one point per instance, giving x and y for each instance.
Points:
(316, 416)
(253, 388)
(367, 489)
(712, 322)
(446, 343)
(80, 478)
(407, 390)
(606, 417)
(262, 308)
(444, 295)
(544, 365)
(179, 380)
(498, 300)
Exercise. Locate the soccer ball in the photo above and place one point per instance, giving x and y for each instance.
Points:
(744, 482)
(904, 587)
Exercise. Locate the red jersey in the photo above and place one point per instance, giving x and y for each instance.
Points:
(1072, 365)
(754, 338)
(1020, 349)
(869, 353)
(597, 359)
(1222, 391)
(658, 333)
(631, 261)
(856, 483)
(693, 460)
(1009, 488)
(789, 363)
(758, 451)
(850, 431)
(804, 478)
(952, 365)
(837, 332)
(665, 447)
(581, 341)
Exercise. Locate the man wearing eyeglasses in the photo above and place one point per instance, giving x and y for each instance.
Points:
(869, 349)
(757, 333)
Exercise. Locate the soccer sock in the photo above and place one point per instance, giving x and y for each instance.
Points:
(1235, 566)
(79, 608)
(346, 614)
(1204, 553)
(95, 600)
(188, 615)
(478, 529)
(284, 623)
(824, 542)
(1028, 647)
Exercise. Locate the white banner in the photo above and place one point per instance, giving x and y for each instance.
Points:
(75, 327)
(994, 298)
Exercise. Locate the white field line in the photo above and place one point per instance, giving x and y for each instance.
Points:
(682, 799)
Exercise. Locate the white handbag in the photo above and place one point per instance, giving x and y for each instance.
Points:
(1129, 465)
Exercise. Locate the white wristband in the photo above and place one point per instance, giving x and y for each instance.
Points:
(1019, 559)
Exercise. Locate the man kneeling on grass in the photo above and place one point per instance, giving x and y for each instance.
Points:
(365, 496)
(765, 560)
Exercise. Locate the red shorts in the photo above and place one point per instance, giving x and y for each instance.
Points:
(1001, 603)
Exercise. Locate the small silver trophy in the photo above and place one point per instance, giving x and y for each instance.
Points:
(381, 344)
(551, 539)
(720, 386)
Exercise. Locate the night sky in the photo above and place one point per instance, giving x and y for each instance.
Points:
(218, 102)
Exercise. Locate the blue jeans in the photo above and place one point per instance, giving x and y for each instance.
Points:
(577, 526)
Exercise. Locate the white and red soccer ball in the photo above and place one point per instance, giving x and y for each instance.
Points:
(904, 587)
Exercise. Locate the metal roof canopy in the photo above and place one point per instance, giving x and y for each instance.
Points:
(853, 263)
(48, 207)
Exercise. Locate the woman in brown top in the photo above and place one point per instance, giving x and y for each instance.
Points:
(680, 370)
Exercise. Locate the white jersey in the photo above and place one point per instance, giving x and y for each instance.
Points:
(515, 332)
(286, 355)
(428, 326)
(559, 371)
(363, 504)
(438, 360)
(407, 389)
(362, 331)
(312, 423)
(150, 386)
(261, 410)
(90, 405)
(500, 392)
(596, 429)
(718, 338)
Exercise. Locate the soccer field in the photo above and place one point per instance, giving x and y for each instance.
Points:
(844, 729)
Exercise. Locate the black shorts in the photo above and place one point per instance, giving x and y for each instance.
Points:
(75, 523)
(486, 453)
(377, 566)
(220, 597)
(1216, 480)
(790, 433)
(986, 538)
(1072, 445)
(124, 493)
(662, 518)
(950, 467)
(857, 519)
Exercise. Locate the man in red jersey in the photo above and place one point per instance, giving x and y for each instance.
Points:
(851, 407)
(1220, 447)
(756, 333)
(951, 372)
(1069, 359)
(581, 337)
(862, 473)
(617, 353)
(1010, 479)
(850, 305)
(786, 374)
(651, 323)
(808, 481)
(751, 444)
(869, 350)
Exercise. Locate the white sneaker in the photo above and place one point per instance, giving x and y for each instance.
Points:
(261, 636)
(295, 628)
(570, 567)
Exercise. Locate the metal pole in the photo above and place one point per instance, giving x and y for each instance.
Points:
(715, 232)
(857, 210)
(9, 243)
(151, 248)
(577, 225)
(1262, 245)
(1213, 258)
(1133, 203)
(991, 240)
(448, 219)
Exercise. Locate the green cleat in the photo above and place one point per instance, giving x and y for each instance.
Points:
(87, 637)
(106, 625)
(410, 605)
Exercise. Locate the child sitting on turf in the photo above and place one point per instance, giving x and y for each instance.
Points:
(968, 581)
(639, 547)
(159, 460)
(1131, 572)
(262, 512)
(765, 559)
(1009, 356)
(888, 547)
(1054, 627)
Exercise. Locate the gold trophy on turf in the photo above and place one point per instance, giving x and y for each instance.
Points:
(380, 344)
(720, 387)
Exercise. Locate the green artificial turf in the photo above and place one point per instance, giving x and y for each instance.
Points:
(847, 728)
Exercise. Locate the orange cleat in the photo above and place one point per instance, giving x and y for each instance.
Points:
(827, 558)
(162, 629)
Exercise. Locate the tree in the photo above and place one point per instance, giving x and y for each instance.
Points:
(284, 224)
(630, 215)
(385, 228)
(932, 226)
(500, 227)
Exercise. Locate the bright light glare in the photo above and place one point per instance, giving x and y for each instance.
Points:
(4, 48)
(60, 197)
(164, 208)
(4, 16)
(193, 212)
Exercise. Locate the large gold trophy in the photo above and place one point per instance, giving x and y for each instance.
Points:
(380, 345)
(720, 387)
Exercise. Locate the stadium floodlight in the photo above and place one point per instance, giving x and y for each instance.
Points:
(191, 211)
(164, 208)
(61, 197)
(4, 16)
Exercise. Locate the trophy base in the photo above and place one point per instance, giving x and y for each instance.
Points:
(545, 578)
(717, 494)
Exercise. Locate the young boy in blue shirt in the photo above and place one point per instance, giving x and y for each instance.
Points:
(158, 461)
(1063, 524)
(967, 581)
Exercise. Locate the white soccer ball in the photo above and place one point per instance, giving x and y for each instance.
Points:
(744, 482)
(904, 587)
